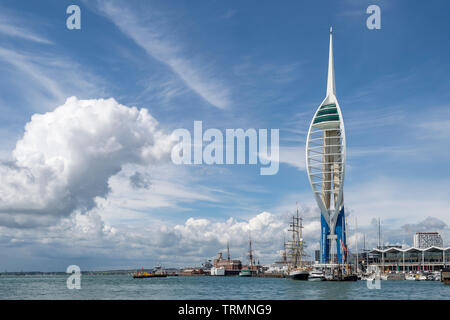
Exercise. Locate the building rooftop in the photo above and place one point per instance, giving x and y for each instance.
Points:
(411, 249)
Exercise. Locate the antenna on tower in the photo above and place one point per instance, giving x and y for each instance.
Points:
(331, 85)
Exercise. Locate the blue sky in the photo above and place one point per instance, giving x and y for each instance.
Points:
(231, 64)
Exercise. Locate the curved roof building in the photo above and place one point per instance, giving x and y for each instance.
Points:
(325, 163)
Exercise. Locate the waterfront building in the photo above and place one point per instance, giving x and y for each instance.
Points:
(427, 239)
(397, 258)
(194, 272)
(409, 259)
(226, 267)
(325, 163)
(317, 255)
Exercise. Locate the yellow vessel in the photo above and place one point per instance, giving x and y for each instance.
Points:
(148, 275)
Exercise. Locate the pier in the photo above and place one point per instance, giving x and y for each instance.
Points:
(445, 275)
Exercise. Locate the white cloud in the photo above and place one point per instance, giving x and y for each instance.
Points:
(49, 79)
(293, 156)
(82, 237)
(152, 38)
(66, 157)
(437, 128)
(397, 200)
(13, 27)
(264, 228)
(168, 186)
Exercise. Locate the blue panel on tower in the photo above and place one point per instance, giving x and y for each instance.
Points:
(341, 237)
(324, 242)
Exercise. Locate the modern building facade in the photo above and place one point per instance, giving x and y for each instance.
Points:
(427, 239)
(409, 259)
(325, 163)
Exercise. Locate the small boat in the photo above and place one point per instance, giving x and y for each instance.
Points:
(299, 274)
(316, 275)
(350, 277)
(218, 271)
(245, 273)
(410, 277)
(420, 277)
(158, 273)
(139, 275)
(372, 277)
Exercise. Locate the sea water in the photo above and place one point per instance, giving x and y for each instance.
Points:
(207, 287)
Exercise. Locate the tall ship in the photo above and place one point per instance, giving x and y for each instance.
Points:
(296, 266)
(252, 268)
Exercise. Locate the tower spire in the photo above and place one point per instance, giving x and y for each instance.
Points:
(331, 86)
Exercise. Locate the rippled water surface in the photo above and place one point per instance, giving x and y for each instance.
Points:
(125, 287)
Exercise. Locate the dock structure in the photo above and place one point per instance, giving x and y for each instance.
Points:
(271, 275)
(445, 275)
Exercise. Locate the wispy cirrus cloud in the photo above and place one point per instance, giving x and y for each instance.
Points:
(11, 26)
(49, 79)
(18, 32)
(152, 37)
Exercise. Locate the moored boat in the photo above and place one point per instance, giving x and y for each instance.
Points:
(157, 273)
(245, 273)
(350, 277)
(420, 277)
(410, 277)
(138, 275)
(299, 274)
(296, 268)
(316, 275)
(218, 271)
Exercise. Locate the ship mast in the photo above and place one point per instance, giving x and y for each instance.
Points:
(296, 244)
(250, 253)
(300, 239)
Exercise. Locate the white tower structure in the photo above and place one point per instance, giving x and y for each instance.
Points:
(325, 163)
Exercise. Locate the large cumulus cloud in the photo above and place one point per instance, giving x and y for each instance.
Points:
(65, 158)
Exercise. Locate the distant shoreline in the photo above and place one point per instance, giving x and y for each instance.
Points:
(54, 273)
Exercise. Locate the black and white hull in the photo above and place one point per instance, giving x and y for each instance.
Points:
(299, 274)
(316, 276)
